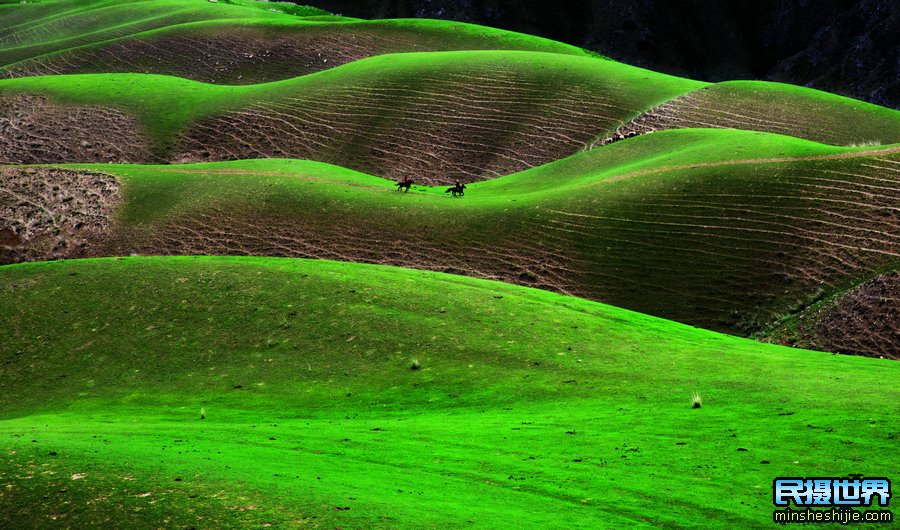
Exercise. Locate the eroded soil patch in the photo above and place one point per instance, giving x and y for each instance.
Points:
(34, 130)
(862, 321)
(48, 213)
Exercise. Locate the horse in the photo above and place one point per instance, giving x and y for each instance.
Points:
(404, 185)
(458, 191)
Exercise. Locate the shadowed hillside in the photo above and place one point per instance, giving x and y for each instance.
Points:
(862, 320)
(434, 117)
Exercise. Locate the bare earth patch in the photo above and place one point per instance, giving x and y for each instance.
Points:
(36, 131)
(48, 213)
(862, 321)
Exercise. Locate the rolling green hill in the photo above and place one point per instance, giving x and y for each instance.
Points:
(724, 229)
(234, 44)
(526, 406)
(37, 28)
(435, 117)
(777, 108)
(192, 371)
(432, 116)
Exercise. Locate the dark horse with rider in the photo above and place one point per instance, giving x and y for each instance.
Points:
(457, 190)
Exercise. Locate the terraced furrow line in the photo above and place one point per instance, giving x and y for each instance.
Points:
(853, 222)
(741, 224)
(460, 140)
(676, 115)
(601, 239)
(882, 167)
(769, 108)
(35, 43)
(855, 176)
(434, 103)
(730, 110)
(862, 320)
(222, 57)
(812, 266)
(237, 46)
(751, 161)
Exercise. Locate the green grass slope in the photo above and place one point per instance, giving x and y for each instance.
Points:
(258, 50)
(435, 117)
(431, 116)
(527, 406)
(37, 28)
(777, 108)
(724, 229)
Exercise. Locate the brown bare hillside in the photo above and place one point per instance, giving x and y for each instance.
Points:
(864, 320)
(34, 130)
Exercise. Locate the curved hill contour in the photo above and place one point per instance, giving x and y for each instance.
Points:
(191, 371)
(772, 107)
(435, 117)
(37, 28)
(251, 51)
(302, 372)
(728, 230)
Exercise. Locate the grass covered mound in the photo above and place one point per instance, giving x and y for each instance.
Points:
(778, 108)
(36, 28)
(434, 117)
(727, 230)
(258, 50)
(430, 116)
(525, 404)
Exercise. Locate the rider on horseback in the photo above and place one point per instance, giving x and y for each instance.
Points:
(404, 184)
(458, 189)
